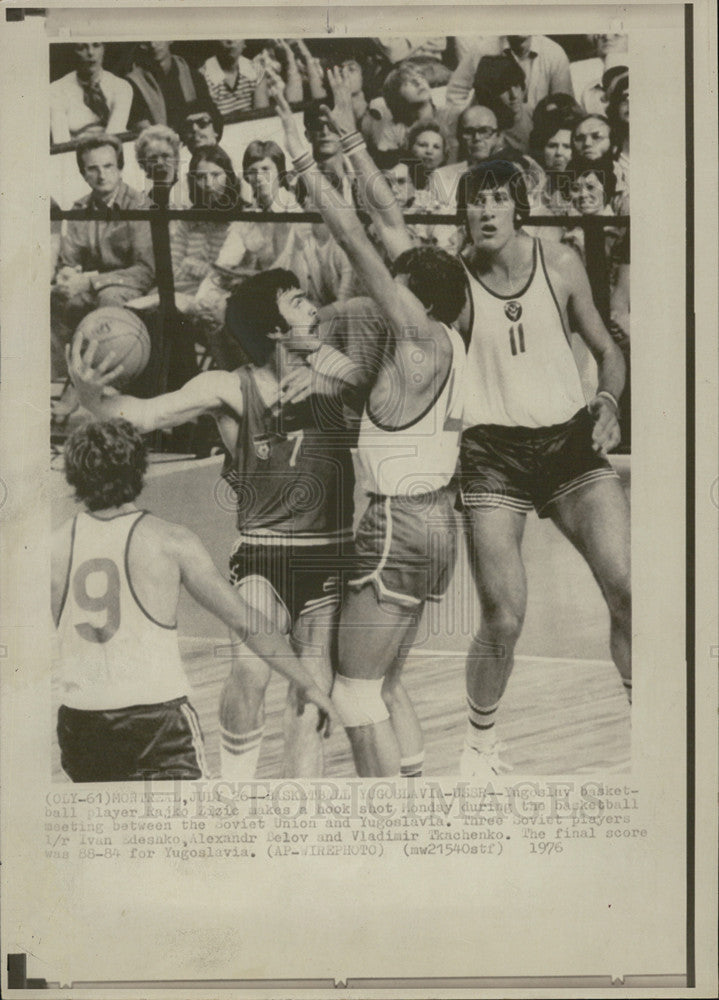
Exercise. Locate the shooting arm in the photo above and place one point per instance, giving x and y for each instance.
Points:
(205, 393)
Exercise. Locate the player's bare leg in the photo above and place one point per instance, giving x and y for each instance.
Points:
(242, 699)
(370, 639)
(401, 711)
(494, 538)
(595, 519)
(311, 639)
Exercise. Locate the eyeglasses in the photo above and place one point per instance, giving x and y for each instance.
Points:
(484, 132)
(202, 122)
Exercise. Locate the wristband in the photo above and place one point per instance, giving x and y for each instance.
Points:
(608, 395)
(352, 142)
(303, 163)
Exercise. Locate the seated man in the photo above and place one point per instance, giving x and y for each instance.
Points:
(163, 85)
(103, 262)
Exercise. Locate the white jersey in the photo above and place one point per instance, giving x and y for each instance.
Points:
(113, 653)
(419, 457)
(520, 368)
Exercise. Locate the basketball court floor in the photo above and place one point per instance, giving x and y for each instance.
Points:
(564, 712)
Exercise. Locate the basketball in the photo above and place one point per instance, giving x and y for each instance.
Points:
(122, 332)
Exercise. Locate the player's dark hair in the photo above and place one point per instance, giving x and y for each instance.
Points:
(436, 278)
(489, 175)
(97, 141)
(105, 461)
(253, 313)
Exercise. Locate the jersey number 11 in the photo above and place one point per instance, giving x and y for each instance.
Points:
(516, 339)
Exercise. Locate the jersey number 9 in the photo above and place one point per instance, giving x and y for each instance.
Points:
(108, 600)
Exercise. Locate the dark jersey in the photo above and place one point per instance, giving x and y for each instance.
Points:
(291, 471)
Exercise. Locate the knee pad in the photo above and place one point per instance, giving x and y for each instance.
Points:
(358, 701)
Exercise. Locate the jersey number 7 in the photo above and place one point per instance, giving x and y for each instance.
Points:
(108, 600)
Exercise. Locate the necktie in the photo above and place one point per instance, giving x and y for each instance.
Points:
(94, 99)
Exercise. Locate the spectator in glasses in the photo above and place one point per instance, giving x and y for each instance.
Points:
(479, 138)
(163, 85)
(89, 99)
(591, 141)
(201, 126)
(157, 150)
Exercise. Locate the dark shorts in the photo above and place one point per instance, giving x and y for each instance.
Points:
(161, 741)
(406, 547)
(526, 467)
(304, 578)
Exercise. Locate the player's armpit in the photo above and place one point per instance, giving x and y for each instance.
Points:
(206, 393)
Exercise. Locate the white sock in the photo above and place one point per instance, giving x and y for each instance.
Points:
(239, 754)
(411, 767)
(480, 732)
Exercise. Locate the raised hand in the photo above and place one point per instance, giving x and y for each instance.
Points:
(276, 91)
(342, 116)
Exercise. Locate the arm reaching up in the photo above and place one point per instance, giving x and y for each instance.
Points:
(375, 192)
(405, 313)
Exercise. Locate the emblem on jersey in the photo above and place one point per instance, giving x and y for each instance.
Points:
(262, 446)
(513, 310)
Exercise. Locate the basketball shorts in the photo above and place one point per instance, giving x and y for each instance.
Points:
(406, 547)
(525, 467)
(304, 578)
(159, 742)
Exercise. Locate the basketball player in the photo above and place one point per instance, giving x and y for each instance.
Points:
(530, 439)
(116, 577)
(294, 482)
(408, 448)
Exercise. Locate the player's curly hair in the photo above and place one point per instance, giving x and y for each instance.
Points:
(436, 278)
(105, 461)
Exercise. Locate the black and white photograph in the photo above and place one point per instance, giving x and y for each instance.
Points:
(343, 492)
(421, 430)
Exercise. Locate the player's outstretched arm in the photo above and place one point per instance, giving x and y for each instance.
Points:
(585, 319)
(406, 314)
(375, 192)
(205, 393)
(205, 584)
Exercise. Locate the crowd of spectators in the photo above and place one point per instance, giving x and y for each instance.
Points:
(428, 108)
